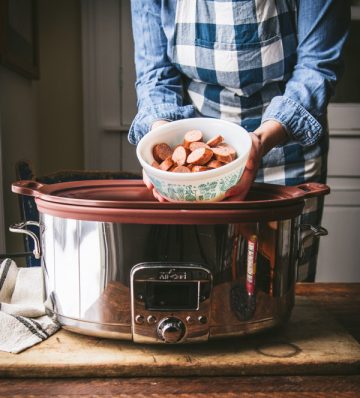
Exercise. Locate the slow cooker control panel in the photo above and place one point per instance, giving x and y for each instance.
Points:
(170, 302)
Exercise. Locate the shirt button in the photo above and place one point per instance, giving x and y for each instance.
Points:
(308, 133)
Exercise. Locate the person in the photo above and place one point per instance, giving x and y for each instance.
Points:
(270, 66)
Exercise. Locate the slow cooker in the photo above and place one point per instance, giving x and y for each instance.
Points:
(119, 264)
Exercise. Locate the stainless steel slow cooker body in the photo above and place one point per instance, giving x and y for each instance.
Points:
(154, 278)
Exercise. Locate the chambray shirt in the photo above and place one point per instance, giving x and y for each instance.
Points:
(246, 61)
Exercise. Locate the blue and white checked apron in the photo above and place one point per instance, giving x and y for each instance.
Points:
(235, 56)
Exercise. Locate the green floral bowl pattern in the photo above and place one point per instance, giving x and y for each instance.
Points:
(209, 186)
(208, 191)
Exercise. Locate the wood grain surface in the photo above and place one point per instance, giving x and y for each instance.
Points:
(312, 341)
(341, 300)
(227, 387)
(341, 305)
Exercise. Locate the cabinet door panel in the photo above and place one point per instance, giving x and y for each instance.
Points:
(338, 259)
(344, 159)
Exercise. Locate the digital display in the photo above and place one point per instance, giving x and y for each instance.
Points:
(172, 296)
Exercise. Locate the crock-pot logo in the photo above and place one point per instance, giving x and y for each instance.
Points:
(172, 274)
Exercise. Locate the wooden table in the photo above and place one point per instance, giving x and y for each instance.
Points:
(342, 301)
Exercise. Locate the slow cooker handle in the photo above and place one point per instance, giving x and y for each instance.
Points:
(312, 189)
(20, 228)
(27, 187)
(315, 231)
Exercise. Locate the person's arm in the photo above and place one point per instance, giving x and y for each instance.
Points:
(158, 82)
(300, 114)
(268, 135)
(322, 30)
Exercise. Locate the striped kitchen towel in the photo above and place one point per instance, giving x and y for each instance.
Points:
(23, 322)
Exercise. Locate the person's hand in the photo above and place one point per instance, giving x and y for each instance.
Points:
(241, 189)
(146, 179)
(158, 123)
(150, 186)
(268, 135)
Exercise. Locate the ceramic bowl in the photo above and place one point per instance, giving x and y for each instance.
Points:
(205, 186)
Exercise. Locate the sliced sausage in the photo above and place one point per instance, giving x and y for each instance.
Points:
(197, 168)
(166, 164)
(200, 156)
(215, 141)
(197, 145)
(161, 152)
(192, 136)
(214, 164)
(230, 148)
(180, 155)
(223, 154)
(155, 164)
(194, 154)
(181, 169)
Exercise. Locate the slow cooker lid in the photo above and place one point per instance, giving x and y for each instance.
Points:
(84, 199)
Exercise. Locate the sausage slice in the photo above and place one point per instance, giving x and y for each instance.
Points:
(215, 141)
(161, 152)
(166, 164)
(192, 136)
(223, 154)
(155, 164)
(197, 168)
(179, 155)
(200, 156)
(230, 148)
(197, 145)
(181, 169)
(214, 164)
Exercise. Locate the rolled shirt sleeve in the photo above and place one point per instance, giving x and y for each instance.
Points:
(322, 31)
(159, 85)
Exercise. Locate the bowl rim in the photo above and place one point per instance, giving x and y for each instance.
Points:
(194, 176)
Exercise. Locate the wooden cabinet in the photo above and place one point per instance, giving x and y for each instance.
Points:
(339, 251)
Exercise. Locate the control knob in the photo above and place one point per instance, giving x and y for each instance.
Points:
(171, 330)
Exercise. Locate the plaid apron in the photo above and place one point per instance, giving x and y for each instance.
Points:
(235, 56)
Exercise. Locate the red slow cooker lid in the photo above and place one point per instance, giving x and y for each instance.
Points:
(129, 201)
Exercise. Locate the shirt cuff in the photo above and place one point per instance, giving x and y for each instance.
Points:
(144, 119)
(298, 122)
